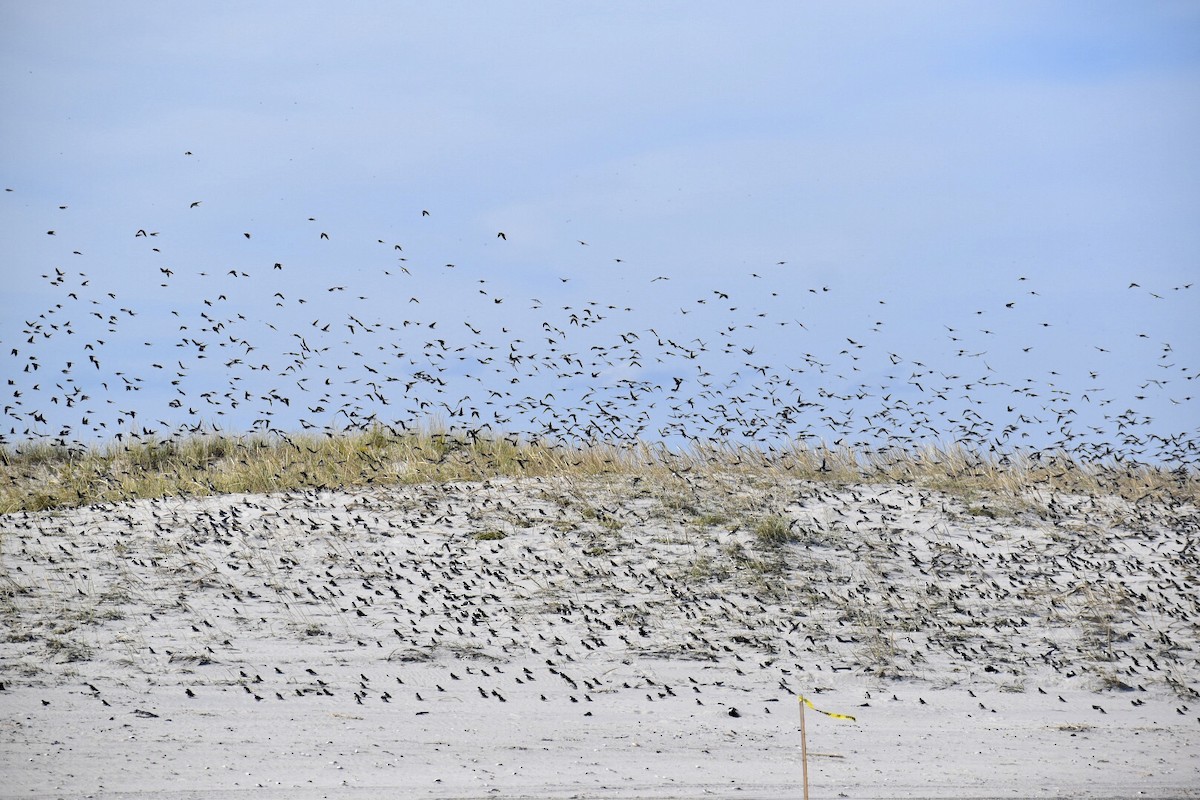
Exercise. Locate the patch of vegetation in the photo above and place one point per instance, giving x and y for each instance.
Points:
(40, 476)
(982, 511)
(65, 650)
(774, 531)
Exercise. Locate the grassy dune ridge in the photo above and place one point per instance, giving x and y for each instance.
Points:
(422, 586)
(42, 476)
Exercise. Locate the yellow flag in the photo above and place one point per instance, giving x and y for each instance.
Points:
(808, 703)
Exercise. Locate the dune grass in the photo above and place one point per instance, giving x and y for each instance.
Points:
(42, 476)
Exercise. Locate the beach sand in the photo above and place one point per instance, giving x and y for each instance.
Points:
(613, 637)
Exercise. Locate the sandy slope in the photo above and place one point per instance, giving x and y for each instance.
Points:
(381, 644)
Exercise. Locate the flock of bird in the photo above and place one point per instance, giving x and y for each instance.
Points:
(572, 592)
(627, 594)
(178, 340)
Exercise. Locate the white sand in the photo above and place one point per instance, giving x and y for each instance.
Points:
(358, 645)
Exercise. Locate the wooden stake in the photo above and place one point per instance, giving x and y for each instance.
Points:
(803, 749)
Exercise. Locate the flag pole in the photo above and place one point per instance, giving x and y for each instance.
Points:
(803, 749)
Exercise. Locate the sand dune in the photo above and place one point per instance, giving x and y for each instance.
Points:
(610, 637)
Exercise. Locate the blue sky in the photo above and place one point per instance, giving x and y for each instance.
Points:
(918, 167)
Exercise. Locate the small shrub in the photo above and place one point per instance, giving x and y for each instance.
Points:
(774, 531)
(68, 651)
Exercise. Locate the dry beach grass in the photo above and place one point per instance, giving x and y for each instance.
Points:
(42, 475)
